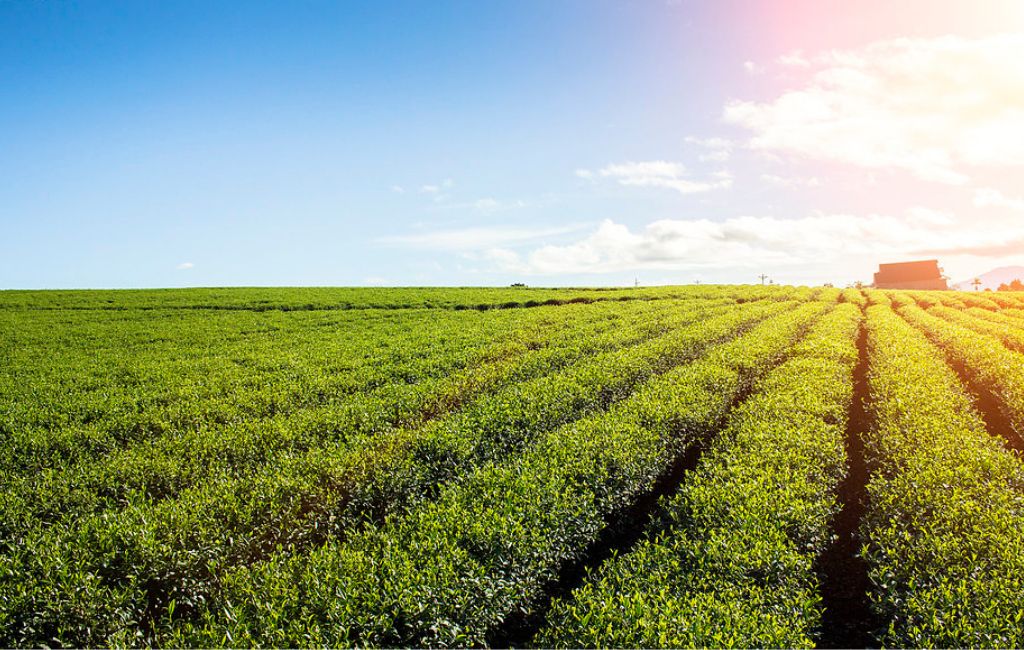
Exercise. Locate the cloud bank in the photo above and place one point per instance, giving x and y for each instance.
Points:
(938, 108)
(989, 198)
(754, 242)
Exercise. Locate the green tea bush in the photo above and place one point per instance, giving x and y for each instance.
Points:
(945, 521)
(989, 365)
(171, 552)
(730, 562)
(451, 571)
(991, 323)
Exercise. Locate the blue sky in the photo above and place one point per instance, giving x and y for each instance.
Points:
(483, 143)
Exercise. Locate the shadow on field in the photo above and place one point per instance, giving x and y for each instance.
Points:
(618, 537)
(623, 531)
(988, 405)
(848, 620)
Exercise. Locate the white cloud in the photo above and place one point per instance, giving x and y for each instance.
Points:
(929, 217)
(794, 60)
(749, 242)
(398, 189)
(656, 173)
(437, 188)
(487, 205)
(791, 181)
(989, 198)
(938, 108)
(475, 239)
(720, 155)
(716, 149)
(184, 266)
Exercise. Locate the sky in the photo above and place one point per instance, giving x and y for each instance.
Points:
(588, 142)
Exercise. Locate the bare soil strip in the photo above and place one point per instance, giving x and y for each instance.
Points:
(848, 620)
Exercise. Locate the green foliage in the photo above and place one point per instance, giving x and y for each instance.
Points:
(988, 364)
(450, 571)
(419, 466)
(945, 526)
(990, 301)
(733, 566)
(876, 297)
(120, 504)
(264, 299)
(854, 297)
(994, 324)
(157, 523)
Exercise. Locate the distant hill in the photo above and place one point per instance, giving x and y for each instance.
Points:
(993, 278)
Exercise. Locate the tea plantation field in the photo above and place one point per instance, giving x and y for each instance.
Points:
(655, 467)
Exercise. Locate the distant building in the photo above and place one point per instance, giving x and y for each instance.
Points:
(925, 274)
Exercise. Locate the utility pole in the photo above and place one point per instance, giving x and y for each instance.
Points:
(763, 277)
(977, 283)
(636, 282)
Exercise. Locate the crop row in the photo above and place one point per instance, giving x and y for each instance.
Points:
(230, 514)
(989, 366)
(958, 300)
(945, 523)
(174, 463)
(989, 323)
(1013, 318)
(452, 570)
(855, 297)
(83, 388)
(1016, 314)
(89, 579)
(342, 298)
(733, 563)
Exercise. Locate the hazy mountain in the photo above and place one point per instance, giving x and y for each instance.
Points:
(993, 278)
